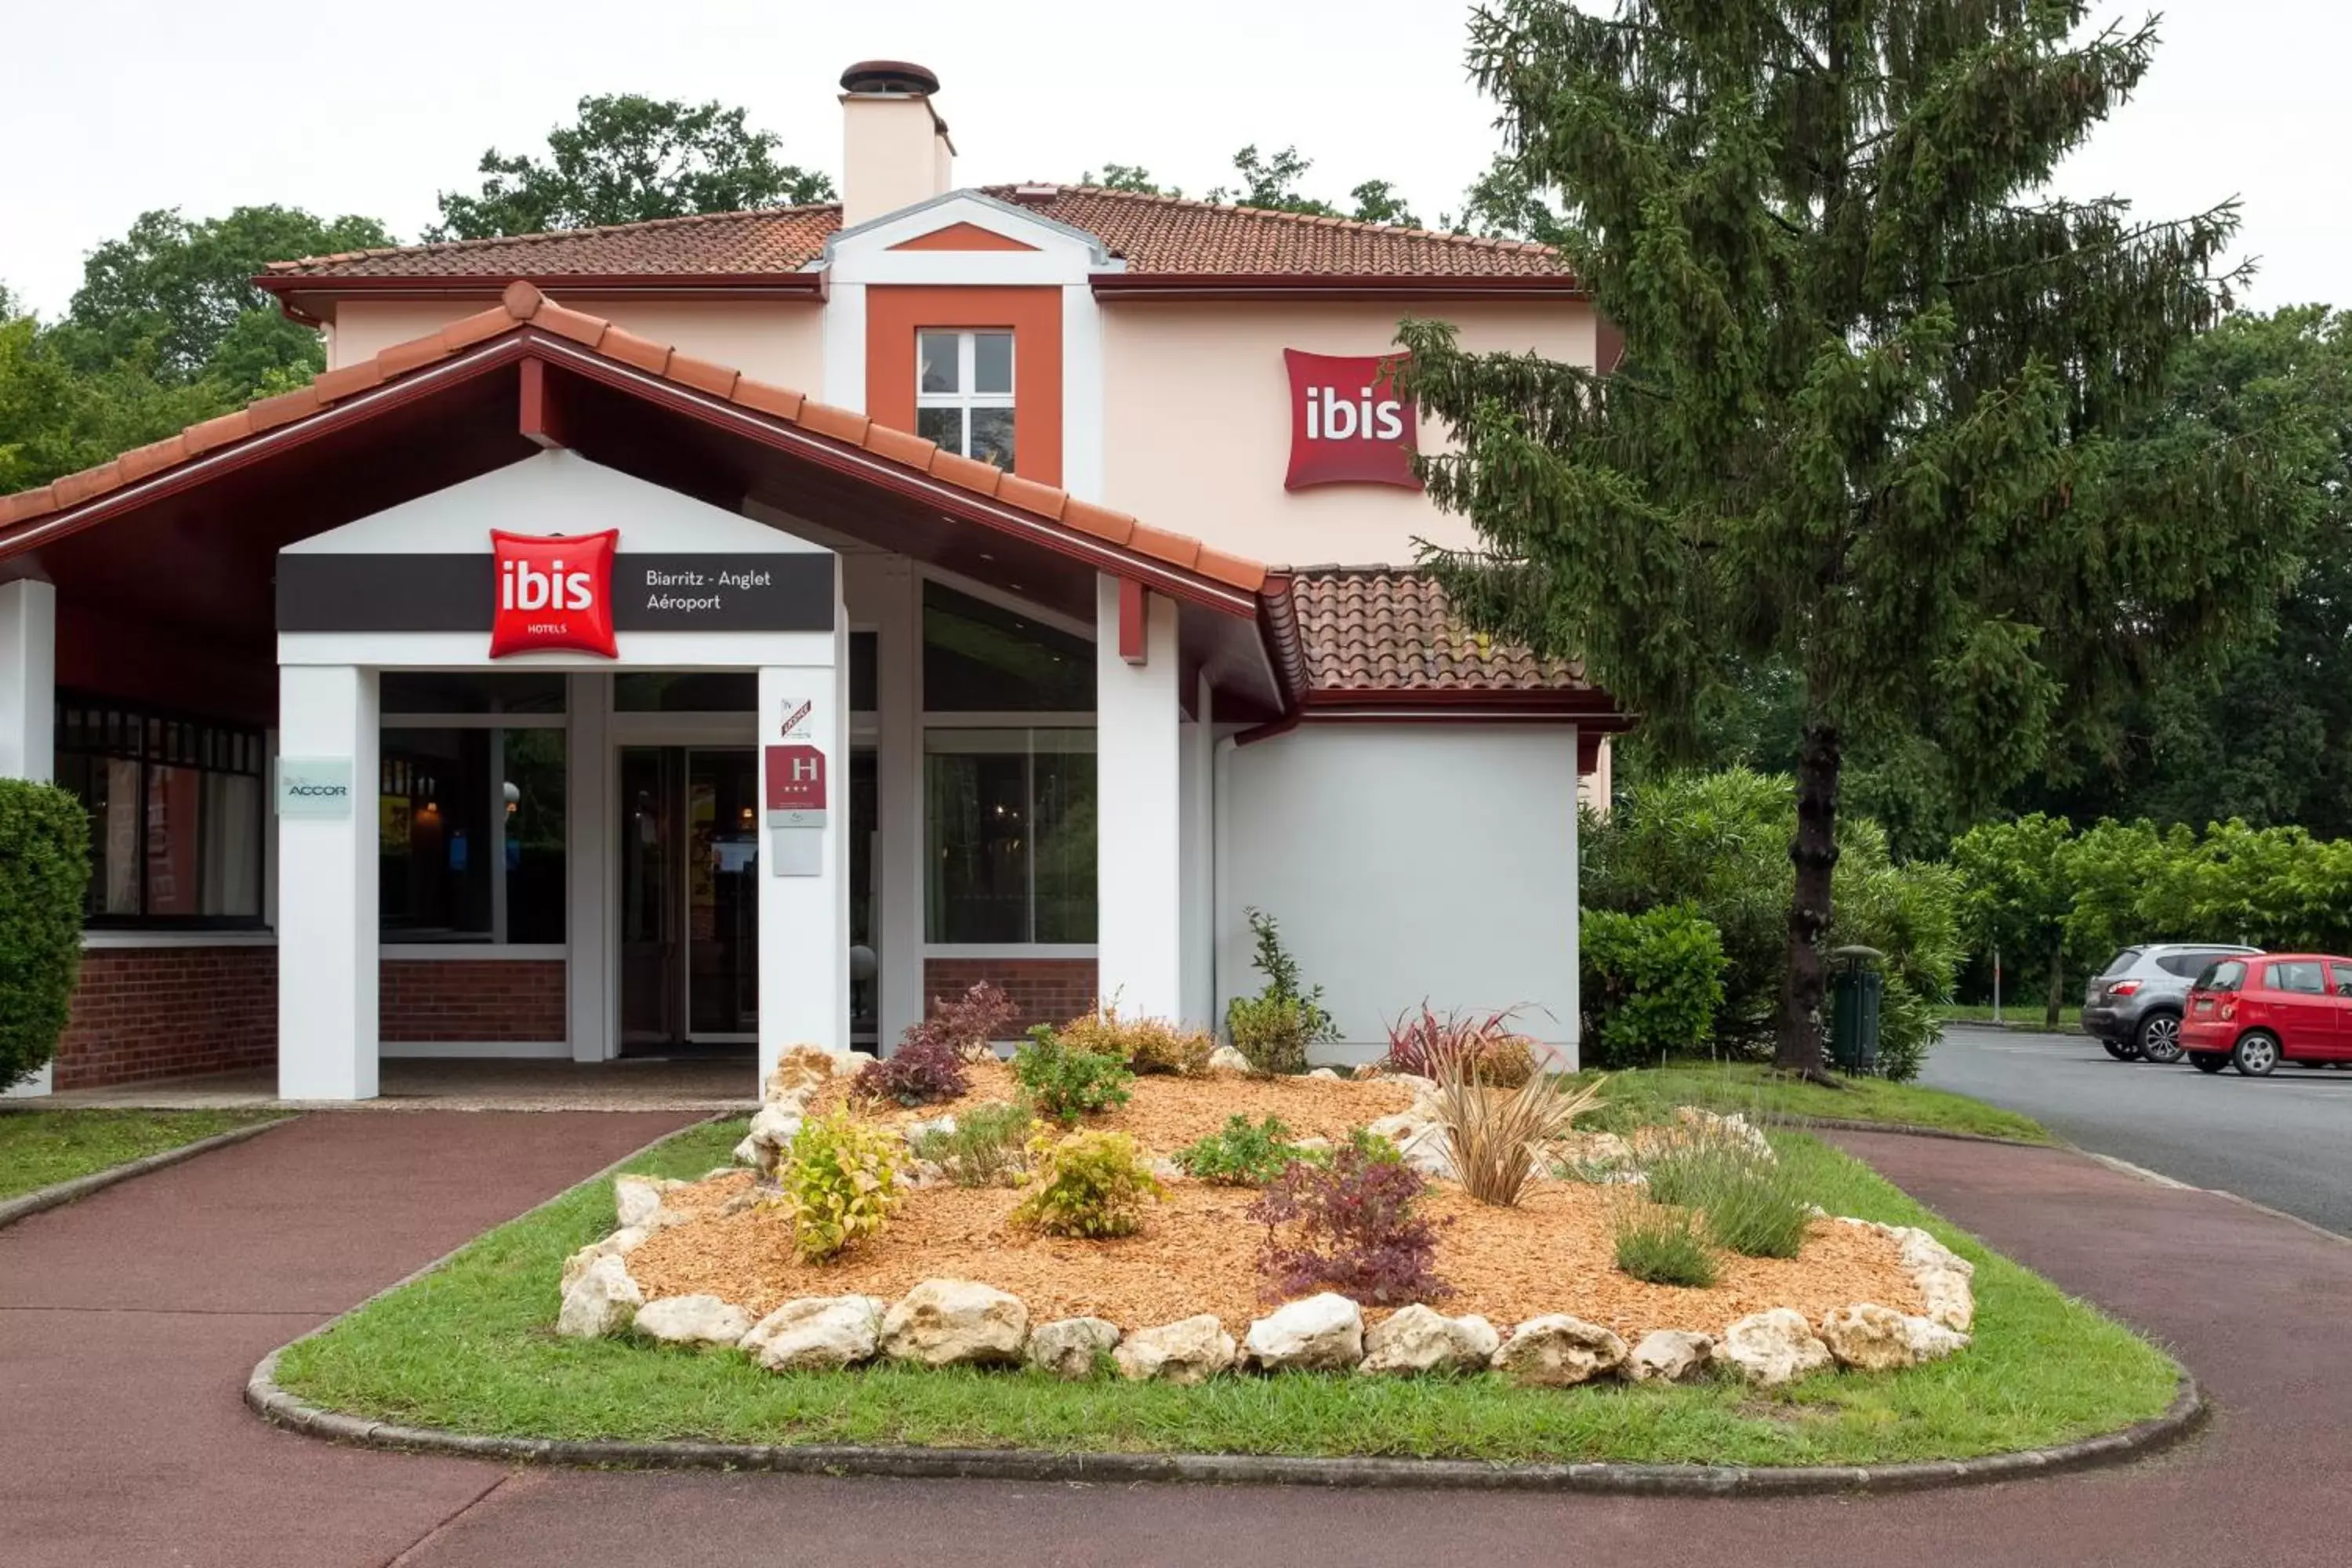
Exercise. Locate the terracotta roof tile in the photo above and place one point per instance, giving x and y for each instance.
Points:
(1150, 233)
(969, 472)
(522, 304)
(1378, 629)
(774, 239)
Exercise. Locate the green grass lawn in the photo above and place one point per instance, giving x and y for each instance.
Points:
(471, 1348)
(41, 1148)
(1646, 1094)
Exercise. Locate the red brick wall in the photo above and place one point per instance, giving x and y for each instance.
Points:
(472, 999)
(1046, 990)
(160, 1012)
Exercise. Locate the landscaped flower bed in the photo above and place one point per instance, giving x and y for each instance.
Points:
(945, 1273)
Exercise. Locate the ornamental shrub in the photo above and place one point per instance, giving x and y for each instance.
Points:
(970, 1025)
(1274, 1028)
(1064, 1084)
(1484, 1047)
(1348, 1227)
(1241, 1155)
(44, 870)
(840, 1178)
(1089, 1185)
(985, 1148)
(1145, 1044)
(916, 1073)
(1650, 986)
(1750, 1202)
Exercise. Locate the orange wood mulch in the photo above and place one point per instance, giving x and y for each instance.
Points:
(1198, 1251)
(1165, 1113)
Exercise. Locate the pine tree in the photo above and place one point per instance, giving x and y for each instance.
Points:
(1876, 415)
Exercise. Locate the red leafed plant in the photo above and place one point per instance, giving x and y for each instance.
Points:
(929, 1064)
(1487, 1045)
(1351, 1230)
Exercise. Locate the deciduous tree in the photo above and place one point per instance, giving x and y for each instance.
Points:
(1876, 412)
(625, 159)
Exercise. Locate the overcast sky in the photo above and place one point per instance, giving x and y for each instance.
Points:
(111, 107)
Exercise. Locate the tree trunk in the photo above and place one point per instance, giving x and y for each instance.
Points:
(1814, 853)
(2057, 985)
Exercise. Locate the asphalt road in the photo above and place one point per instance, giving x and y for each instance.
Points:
(2284, 1140)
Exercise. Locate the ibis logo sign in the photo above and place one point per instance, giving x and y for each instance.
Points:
(553, 591)
(1348, 424)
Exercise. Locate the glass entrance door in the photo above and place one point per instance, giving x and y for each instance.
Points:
(689, 857)
(722, 895)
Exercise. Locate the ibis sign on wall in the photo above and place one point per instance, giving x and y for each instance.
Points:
(1348, 423)
(554, 593)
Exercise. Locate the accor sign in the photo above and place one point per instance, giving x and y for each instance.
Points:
(1348, 424)
(553, 591)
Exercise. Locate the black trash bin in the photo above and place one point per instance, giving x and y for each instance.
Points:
(1856, 989)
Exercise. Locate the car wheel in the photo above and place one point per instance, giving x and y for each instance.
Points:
(2256, 1054)
(2119, 1049)
(2208, 1061)
(2159, 1036)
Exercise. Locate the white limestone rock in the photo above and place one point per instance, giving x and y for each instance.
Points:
(603, 1300)
(1225, 1058)
(620, 1244)
(1918, 1252)
(1189, 1350)
(1320, 1333)
(951, 1322)
(1071, 1348)
(1419, 1339)
(1947, 1298)
(1670, 1355)
(693, 1321)
(1868, 1337)
(817, 1333)
(1327, 1075)
(637, 1200)
(804, 1069)
(916, 1131)
(1557, 1350)
(1772, 1348)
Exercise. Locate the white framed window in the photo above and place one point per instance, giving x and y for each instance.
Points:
(963, 392)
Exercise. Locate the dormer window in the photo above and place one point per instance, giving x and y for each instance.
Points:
(963, 393)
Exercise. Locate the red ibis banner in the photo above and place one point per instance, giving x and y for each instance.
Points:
(1348, 424)
(554, 593)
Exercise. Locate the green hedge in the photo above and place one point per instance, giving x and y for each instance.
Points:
(44, 869)
(1651, 984)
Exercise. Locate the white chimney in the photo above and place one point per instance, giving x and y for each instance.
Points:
(895, 150)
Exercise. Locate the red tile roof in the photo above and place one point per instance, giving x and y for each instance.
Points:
(1154, 234)
(1390, 629)
(522, 304)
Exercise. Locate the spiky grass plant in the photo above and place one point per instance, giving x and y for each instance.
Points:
(1660, 1244)
(1752, 1203)
(1498, 1137)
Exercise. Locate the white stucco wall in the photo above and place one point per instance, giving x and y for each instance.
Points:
(1404, 861)
(1196, 405)
(778, 340)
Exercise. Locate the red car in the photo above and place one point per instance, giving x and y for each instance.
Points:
(2255, 1013)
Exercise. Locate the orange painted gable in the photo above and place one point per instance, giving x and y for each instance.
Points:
(961, 237)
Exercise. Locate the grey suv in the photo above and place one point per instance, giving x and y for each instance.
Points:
(2133, 1005)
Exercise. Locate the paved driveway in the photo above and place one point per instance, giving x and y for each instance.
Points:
(2284, 1140)
(123, 1440)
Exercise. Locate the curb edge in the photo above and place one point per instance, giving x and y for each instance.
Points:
(26, 1204)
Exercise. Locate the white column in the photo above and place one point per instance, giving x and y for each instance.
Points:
(28, 665)
(899, 762)
(28, 624)
(591, 836)
(1198, 846)
(1138, 789)
(805, 918)
(1572, 975)
(327, 945)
